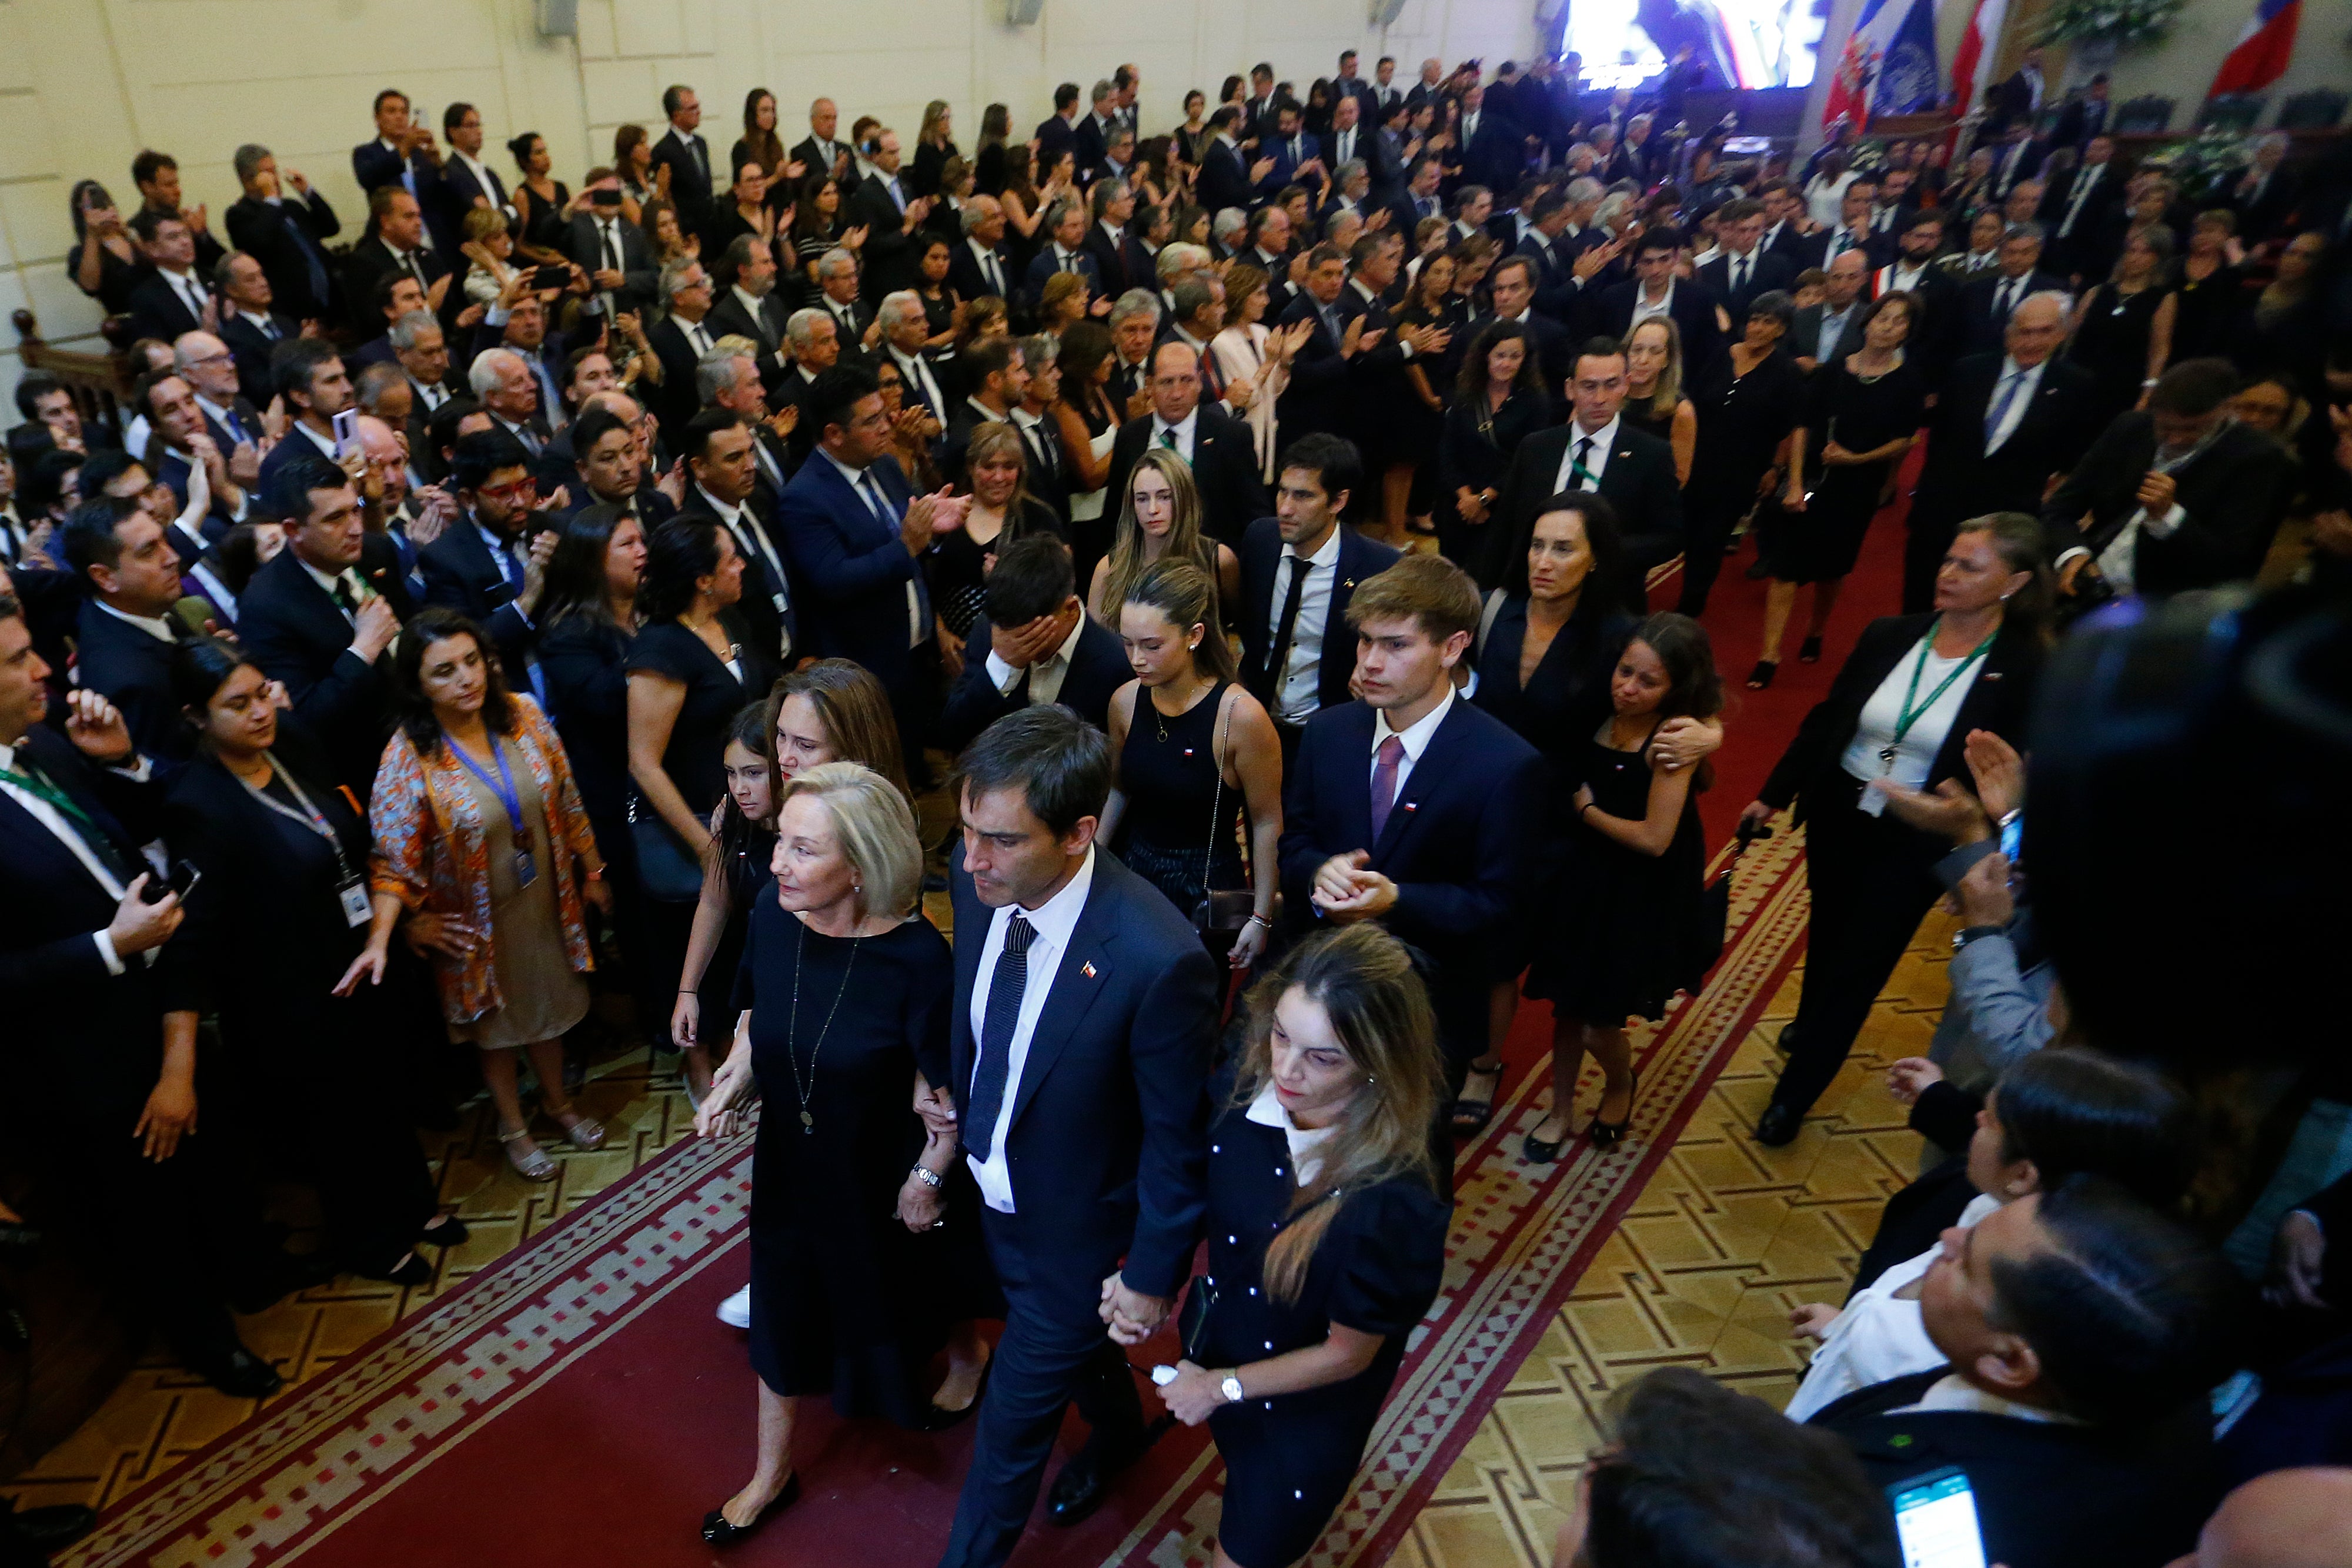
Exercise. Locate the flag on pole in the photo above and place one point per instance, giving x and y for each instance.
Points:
(1907, 69)
(1976, 46)
(1849, 95)
(2263, 49)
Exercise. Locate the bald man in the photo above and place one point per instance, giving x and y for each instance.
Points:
(2288, 1518)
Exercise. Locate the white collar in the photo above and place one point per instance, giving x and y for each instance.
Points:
(1416, 736)
(1185, 428)
(214, 409)
(982, 410)
(855, 475)
(1372, 297)
(1604, 438)
(325, 444)
(1956, 1394)
(1058, 916)
(321, 578)
(1326, 554)
(156, 626)
(1266, 1111)
(1115, 233)
(725, 512)
(2009, 367)
(1069, 647)
(685, 326)
(750, 302)
(683, 137)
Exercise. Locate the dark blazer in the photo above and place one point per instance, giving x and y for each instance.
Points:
(1692, 308)
(1961, 481)
(774, 627)
(1495, 153)
(1805, 333)
(968, 281)
(157, 310)
(368, 264)
(1771, 271)
(133, 669)
(1639, 481)
(583, 242)
(1263, 573)
(1223, 181)
(1099, 667)
(460, 575)
(767, 329)
(675, 401)
(1972, 329)
(1368, 148)
(375, 164)
(1554, 346)
(1044, 264)
(1108, 1138)
(251, 348)
(689, 187)
(296, 633)
(2048, 1495)
(851, 569)
(2233, 493)
(1999, 699)
(890, 252)
(1798, 249)
(1089, 139)
(280, 236)
(807, 152)
(1456, 842)
(1111, 260)
(1224, 467)
(1054, 135)
(459, 189)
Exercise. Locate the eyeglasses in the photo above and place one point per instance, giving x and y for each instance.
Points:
(514, 492)
(223, 358)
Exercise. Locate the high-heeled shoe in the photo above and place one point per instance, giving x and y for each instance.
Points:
(1809, 652)
(1606, 1134)
(718, 1532)
(1761, 675)
(446, 1231)
(582, 1133)
(940, 1418)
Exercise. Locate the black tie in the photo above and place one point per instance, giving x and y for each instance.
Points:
(1278, 668)
(612, 246)
(1043, 445)
(1579, 476)
(1006, 990)
(996, 278)
(345, 599)
(269, 328)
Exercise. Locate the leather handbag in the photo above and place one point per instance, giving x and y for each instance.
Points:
(667, 869)
(1221, 916)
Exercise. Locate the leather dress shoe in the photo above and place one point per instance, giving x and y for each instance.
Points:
(718, 1532)
(240, 1373)
(1777, 1128)
(1086, 1480)
(46, 1530)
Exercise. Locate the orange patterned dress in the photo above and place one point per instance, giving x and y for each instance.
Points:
(432, 850)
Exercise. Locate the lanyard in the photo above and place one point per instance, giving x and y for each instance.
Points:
(309, 817)
(35, 784)
(504, 789)
(1912, 709)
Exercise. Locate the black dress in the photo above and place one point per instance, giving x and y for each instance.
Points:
(1618, 945)
(543, 225)
(714, 694)
(1472, 453)
(1741, 423)
(586, 666)
(1640, 415)
(1289, 1460)
(2112, 344)
(845, 1300)
(750, 873)
(956, 566)
(2208, 313)
(1821, 543)
(1176, 805)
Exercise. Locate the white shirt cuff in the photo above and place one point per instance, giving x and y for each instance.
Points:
(106, 951)
(2065, 556)
(494, 315)
(1004, 675)
(137, 769)
(2165, 527)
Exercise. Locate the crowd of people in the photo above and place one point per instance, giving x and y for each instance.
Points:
(1252, 526)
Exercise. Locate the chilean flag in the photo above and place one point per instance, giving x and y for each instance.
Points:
(2262, 50)
(1984, 29)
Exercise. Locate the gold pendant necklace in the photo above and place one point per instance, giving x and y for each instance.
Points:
(793, 1029)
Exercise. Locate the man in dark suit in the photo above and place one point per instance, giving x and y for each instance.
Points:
(744, 282)
(2081, 1331)
(1066, 220)
(172, 299)
(1112, 203)
(997, 373)
(1059, 133)
(1411, 807)
(1913, 271)
(1217, 447)
(1074, 1072)
(1826, 333)
(2076, 208)
(856, 532)
(1511, 285)
(1295, 157)
(839, 296)
(466, 181)
(679, 340)
(2266, 194)
(734, 478)
(248, 325)
(210, 368)
(1980, 316)
(1493, 149)
(2085, 114)
(1225, 179)
(1036, 643)
(2015, 98)
(2174, 496)
(613, 251)
(1654, 289)
(1300, 567)
(1743, 271)
(490, 563)
(103, 1019)
(1789, 234)
(1597, 451)
(125, 635)
(320, 614)
(682, 150)
(978, 264)
(395, 247)
(286, 234)
(1324, 370)
(822, 151)
(893, 216)
(402, 153)
(2003, 427)
(1352, 136)
(1090, 138)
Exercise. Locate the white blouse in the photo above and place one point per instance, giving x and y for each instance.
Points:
(1915, 754)
(1879, 1335)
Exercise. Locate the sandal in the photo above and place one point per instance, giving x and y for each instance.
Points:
(1470, 1113)
(582, 1133)
(533, 1165)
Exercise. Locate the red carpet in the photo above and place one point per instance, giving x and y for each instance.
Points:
(578, 1402)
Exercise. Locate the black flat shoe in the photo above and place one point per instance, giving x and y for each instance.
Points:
(1086, 1480)
(44, 1530)
(940, 1418)
(1761, 675)
(446, 1231)
(240, 1375)
(1542, 1151)
(1809, 652)
(1777, 1128)
(718, 1532)
(1608, 1134)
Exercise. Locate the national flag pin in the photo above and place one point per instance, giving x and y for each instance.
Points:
(1087, 970)
(1412, 805)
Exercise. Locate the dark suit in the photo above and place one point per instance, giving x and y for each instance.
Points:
(675, 401)
(583, 242)
(134, 668)
(1055, 136)
(1048, 262)
(1263, 577)
(2233, 492)
(766, 329)
(1110, 261)
(160, 310)
(1224, 467)
(890, 252)
(460, 193)
(370, 261)
(1368, 148)
(1223, 181)
(769, 607)
(1975, 325)
(1495, 153)
(1960, 480)
(852, 570)
(1107, 1144)
(1872, 877)
(1800, 250)
(374, 165)
(690, 180)
(289, 239)
(2082, 250)
(460, 574)
(1638, 480)
(2048, 1494)
(1691, 306)
(251, 348)
(1769, 272)
(296, 635)
(1805, 333)
(1455, 843)
(970, 282)
(817, 159)
(1090, 139)
(1099, 667)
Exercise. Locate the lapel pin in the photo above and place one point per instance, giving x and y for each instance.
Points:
(1086, 969)
(1412, 805)
(1348, 583)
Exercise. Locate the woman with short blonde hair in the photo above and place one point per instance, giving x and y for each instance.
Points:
(875, 828)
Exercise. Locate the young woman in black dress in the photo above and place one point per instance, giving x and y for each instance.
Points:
(1747, 402)
(1655, 372)
(2124, 327)
(842, 977)
(1863, 413)
(1192, 749)
(1326, 1236)
(1498, 402)
(734, 869)
(1635, 879)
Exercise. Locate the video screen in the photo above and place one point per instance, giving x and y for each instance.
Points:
(1740, 43)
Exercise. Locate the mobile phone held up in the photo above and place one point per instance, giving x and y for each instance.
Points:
(1936, 1521)
(347, 432)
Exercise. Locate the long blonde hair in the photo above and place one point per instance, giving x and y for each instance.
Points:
(1364, 980)
(1127, 557)
(1668, 393)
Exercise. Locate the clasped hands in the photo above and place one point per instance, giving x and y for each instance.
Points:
(1348, 890)
(1133, 1316)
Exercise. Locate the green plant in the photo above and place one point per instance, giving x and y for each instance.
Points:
(2128, 24)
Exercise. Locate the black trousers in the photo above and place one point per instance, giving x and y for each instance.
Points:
(1055, 1349)
(1708, 521)
(1873, 879)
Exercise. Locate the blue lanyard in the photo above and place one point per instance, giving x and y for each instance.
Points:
(504, 789)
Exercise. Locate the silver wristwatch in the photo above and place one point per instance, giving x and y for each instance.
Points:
(1231, 1388)
(928, 1178)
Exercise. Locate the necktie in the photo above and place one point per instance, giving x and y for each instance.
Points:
(702, 339)
(1168, 437)
(1278, 668)
(2005, 301)
(269, 328)
(1579, 476)
(989, 270)
(1042, 445)
(191, 295)
(345, 599)
(2075, 206)
(895, 194)
(990, 1077)
(701, 160)
(28, 775)
(1069, 258)
(408, 264)
(1331, 314)
(1384, 782)
(1738, 273)
(1999, 409)
(612, 245)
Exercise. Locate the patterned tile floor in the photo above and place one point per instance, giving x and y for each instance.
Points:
(1723, 1240)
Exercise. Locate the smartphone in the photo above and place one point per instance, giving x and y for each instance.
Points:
(181, 880)
(2012, 838)
(346, 431)
(1936, 1521)
(551, 276)
(604, 196)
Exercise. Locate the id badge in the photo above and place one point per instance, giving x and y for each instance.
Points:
(526, 869)
(357, 909)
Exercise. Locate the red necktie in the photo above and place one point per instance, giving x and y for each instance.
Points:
(1384, 782)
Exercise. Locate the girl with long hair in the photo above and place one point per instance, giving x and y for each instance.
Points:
(1159, 518)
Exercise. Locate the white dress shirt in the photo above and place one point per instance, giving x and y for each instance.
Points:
(1596, 459)
(1415, 737)
(1298, 692)
(1052, 921)
(1879, 1336)
(916, 371)
(698, 336)
(1184, 433)
(191, 292)
(156, 626)
(1266, 1111)
(490, 183)
(756, 539)
(1915, 754)
(1644, 307)
(991, 266)
(1045, 676)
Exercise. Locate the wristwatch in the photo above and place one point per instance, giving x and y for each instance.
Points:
(1968, 934)
(926, 1177)
(1231, 1388)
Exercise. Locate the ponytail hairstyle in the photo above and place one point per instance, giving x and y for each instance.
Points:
(1364, 980)
(1182, 592)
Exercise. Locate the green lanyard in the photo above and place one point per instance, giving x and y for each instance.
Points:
(1913, 710)
(30, 779)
